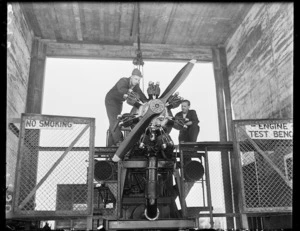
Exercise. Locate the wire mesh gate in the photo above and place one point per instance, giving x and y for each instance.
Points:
(265, 150)
(55, 166)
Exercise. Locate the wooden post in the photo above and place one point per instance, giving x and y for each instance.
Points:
(242, 220)
(33, 105)
(90, 178)
(209, 201)
(226, 132)
(36, 77)
(220, 73)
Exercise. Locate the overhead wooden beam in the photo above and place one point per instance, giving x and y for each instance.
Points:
(150, 51)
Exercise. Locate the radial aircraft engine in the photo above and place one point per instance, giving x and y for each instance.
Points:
(148, 140)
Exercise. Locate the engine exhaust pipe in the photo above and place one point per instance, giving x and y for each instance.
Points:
(151, 211)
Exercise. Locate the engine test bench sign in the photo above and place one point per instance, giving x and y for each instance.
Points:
(270, 131)
(48, 124)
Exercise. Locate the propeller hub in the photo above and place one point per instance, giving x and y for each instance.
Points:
(157, 106)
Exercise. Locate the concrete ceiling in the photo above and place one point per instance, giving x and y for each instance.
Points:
(180, 24)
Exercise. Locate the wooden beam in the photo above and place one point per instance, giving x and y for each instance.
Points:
(150, 51)
(30, 16)
(77, 21)
(36, 77)
(219, 66)
(135, 20)
(170, 22)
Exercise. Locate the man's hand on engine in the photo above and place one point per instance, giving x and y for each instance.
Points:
(133, 98)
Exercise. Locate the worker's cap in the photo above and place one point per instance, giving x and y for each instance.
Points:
(137, 72)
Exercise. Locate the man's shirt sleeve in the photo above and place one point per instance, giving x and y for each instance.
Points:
(194, 117)
(141, 94)
(122, 86)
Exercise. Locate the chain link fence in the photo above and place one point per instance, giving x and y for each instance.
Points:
(196, 193)
(265, 148)
(55, 166)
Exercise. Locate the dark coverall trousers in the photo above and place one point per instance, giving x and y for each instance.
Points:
(190, 134)
(113, 109)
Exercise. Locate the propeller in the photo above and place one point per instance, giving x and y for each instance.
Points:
(156, 106)
(178, 80)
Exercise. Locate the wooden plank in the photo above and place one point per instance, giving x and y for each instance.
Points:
(154, 21)
(126, 16)
(108, 22)
(44, 19)
(170, 23)
(230, 203)
(95, 17)
(148, 11)
(19, 165)
(219, 91)
(82, 20)
(238, 183)
(207, 178)
(31, 19)
(53, 167)
(179, 175)
(147, 224)
(91, 167)
(224, 98)
(135, 21)
(102, 23)
(77, 21)
(56, 24)
(119, 195)
(187, 22)
(115, 11)
(210, 145)
(63, 12)
(192, 33)
(150, 51)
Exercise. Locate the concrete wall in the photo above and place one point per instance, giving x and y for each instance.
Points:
(18, 63)
(260, 63)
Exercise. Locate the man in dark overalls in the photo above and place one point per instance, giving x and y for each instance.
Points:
(114, 103)
(191, 130)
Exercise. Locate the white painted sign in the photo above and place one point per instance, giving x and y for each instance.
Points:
(48, 124)
(270, 131)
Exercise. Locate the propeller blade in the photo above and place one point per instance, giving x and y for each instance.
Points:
(178, 80)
